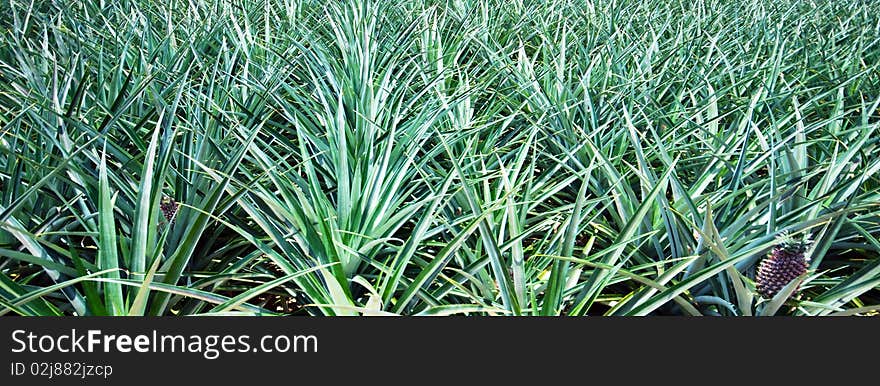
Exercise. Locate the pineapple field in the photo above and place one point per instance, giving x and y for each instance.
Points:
(439, 157)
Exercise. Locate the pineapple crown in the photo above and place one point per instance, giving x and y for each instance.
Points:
(794, 244)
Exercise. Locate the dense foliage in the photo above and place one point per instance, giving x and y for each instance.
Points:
(429, 157)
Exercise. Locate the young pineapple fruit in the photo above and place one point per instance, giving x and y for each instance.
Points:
(784, 263)
(169, 208)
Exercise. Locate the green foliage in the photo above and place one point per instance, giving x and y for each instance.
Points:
(431, 157)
